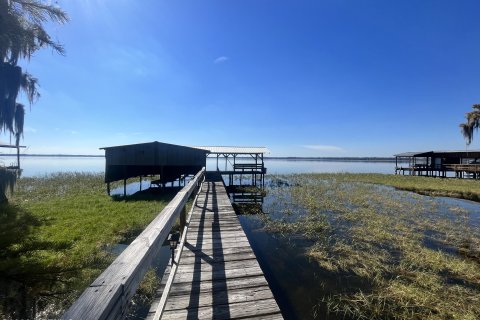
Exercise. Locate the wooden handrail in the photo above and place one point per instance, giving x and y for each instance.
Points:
(109, 295)
(247, 165)
(464, 167)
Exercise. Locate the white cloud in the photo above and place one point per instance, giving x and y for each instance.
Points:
(29, 130)
(323, 148)
(221, 59)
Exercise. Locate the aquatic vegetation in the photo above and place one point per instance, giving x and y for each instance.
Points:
(54, 233)
(445, 187)
(415, 256)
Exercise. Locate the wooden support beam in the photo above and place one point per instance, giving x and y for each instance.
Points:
(18, 157)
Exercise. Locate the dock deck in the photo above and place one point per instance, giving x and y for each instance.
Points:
(218, 275)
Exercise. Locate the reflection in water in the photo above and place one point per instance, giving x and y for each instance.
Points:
(297, 282)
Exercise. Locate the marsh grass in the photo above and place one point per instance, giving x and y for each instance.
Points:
(53, 236)
(416, 257)
(145, 294)
(468, 189)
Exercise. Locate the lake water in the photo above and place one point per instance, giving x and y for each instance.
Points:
(37, 166)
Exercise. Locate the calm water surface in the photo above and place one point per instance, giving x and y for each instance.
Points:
(38, 166)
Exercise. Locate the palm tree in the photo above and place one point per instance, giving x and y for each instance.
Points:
(472, 124)
(21, 34)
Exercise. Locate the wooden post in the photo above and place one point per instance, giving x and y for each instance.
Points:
(140, 183)
(18, 157)
(183, 219)
(124, 187)
(108, 188)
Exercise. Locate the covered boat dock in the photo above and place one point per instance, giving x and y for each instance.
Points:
(239, 161)
(171, 162)
(459, 164)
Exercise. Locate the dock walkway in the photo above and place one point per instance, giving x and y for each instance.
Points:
(218, 276)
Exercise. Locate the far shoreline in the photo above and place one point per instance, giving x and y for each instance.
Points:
(345, 159)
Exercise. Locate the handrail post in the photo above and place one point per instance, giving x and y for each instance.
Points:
(183, 219)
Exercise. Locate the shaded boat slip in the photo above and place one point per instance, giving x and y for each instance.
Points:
(218, 274)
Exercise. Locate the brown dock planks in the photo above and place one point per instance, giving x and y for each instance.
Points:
(218, 275)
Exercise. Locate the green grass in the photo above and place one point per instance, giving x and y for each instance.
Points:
(55, 233)
(383, 238)
(447, 187)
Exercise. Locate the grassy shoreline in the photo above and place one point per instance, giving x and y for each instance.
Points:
(438, 187)
(54, 238)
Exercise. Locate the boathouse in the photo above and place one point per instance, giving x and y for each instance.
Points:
(169, 161)
(460, 164)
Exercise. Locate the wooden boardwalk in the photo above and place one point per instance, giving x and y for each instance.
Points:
(218, 276)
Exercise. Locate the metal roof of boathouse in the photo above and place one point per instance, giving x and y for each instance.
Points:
(168, 160)
(233, 150)
(442, 153)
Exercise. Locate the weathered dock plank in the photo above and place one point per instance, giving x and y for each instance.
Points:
(220, 297)
(259, 308)
(218, 275)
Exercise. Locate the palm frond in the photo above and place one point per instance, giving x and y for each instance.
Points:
(29, 85)
(22, 31)
(41, 12)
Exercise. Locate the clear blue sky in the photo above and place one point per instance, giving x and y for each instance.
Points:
(304, 78)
